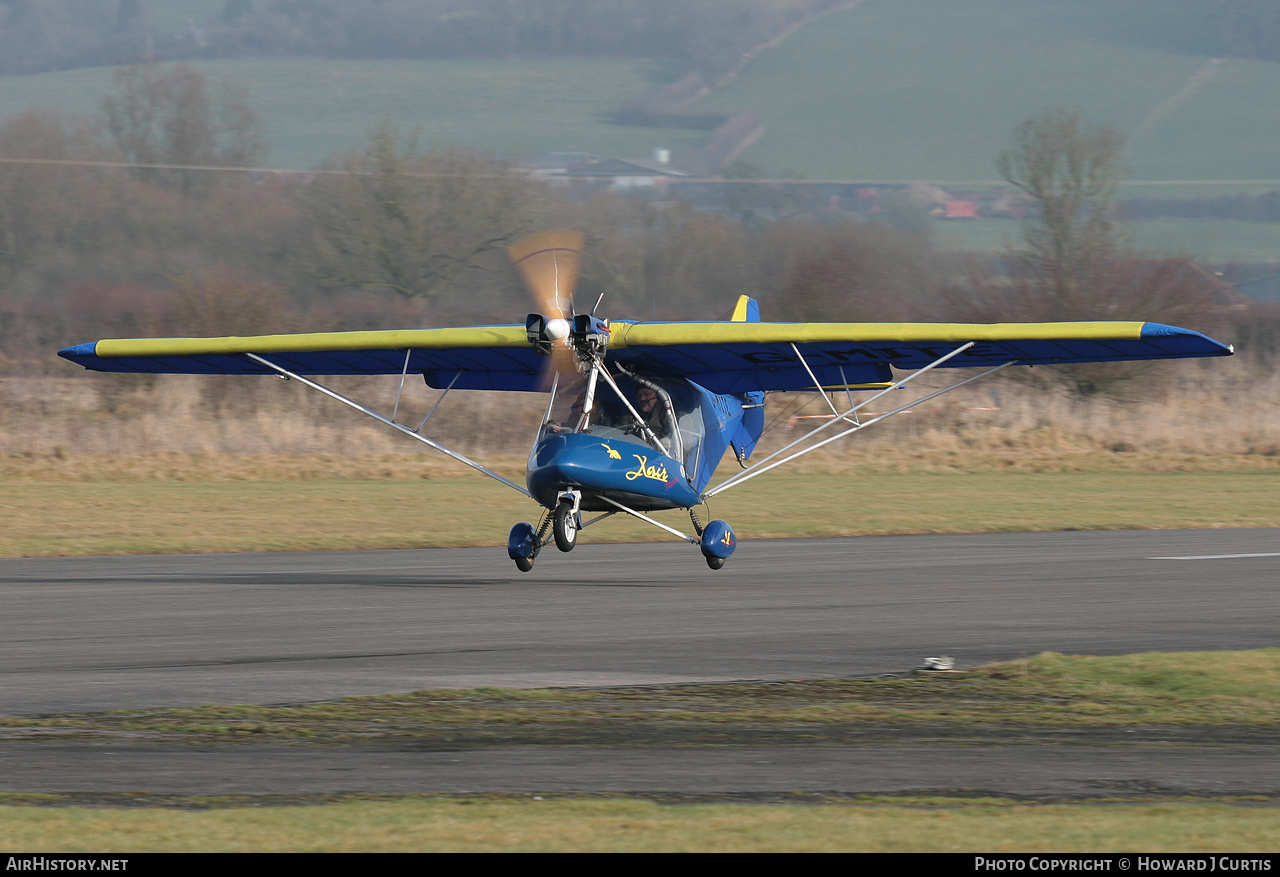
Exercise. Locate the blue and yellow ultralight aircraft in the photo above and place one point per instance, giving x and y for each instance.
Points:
(641, 414)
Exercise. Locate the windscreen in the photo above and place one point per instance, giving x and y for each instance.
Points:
(661, 413)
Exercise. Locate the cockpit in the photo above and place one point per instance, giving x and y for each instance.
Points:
(661, 413)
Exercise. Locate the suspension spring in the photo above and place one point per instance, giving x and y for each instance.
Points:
(544, 527)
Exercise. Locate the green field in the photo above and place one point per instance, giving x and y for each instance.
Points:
(314, 109)
(930, 89)
(176, 16)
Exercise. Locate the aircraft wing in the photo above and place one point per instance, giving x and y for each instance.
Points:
(480, 357)
(724, 357)
(740, 356)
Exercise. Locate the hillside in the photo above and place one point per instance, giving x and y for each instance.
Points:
(314, 109)
(930, 89)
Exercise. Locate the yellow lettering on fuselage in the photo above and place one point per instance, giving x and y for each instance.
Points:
(613, 455)
(644, 470)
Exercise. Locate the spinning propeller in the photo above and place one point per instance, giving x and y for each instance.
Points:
(548, 262)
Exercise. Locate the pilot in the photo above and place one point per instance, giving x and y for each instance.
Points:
(654, 414)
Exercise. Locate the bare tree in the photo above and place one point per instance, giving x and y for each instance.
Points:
(1071, 175)
(51, 214)
(852, 272)
(1074, 262)
(412, 222)
(159, 116)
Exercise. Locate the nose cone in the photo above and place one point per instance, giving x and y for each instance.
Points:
(563, 462)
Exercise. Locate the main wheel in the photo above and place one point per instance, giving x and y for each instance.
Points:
(714, 562)
(565, 527)
(524, 564)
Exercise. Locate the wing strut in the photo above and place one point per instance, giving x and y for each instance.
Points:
(832, 405)
(661, 526)
(764, 465)
(403, 372)
(437, 405)
(412, 433)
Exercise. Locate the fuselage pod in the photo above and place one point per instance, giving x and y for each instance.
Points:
(628, 472)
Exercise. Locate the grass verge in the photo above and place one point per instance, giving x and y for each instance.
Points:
(1028, 700)
(291, 513)
(475, 825)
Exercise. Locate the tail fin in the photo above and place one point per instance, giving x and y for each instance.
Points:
(747, 310)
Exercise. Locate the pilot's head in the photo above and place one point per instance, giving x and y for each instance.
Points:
(647, 398)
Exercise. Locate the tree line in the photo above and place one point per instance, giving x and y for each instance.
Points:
(106, 230)
(707, 36)
(704, 36)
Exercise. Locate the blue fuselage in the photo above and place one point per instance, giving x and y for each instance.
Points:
(613, 461)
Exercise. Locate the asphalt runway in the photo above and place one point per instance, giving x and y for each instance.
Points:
(1032, 773)
(104, 633)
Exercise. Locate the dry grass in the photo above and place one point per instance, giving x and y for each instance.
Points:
(1213, 417)
(100, 414)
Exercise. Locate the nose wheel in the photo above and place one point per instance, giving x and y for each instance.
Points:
(565, 526)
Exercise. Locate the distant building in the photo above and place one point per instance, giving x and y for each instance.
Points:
(557, 164)
(620, 173)
(957, 209)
